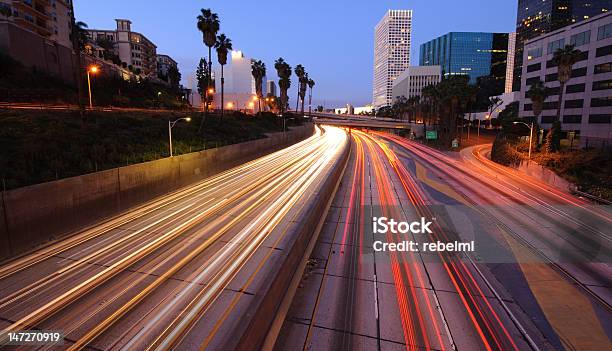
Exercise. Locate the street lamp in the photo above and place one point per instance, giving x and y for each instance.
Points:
(91, 70)
(170, 126)
(530, 136)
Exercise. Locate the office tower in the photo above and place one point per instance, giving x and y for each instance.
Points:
(391, 53)
(472, 54)
(537, 17)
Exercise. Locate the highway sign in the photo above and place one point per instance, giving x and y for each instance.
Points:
(431, 134)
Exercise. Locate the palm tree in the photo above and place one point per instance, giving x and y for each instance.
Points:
(311, 84)
(258, 70)
(283, 70)
(537, 92)
(223, 45)
(564, 58)
(208, 24)
(300, 72)
(303, 87)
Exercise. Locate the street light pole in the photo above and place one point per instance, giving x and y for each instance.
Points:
(92, 69)
(170, 126)
(530, 137)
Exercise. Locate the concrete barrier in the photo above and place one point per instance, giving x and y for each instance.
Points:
(35, 215)
(272, 291)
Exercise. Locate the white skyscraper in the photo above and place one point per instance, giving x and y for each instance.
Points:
(391, 53)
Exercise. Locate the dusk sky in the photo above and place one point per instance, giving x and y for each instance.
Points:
(333, 39)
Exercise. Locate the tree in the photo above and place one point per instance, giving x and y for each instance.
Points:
(537, 92)
(300, 72)
(203, 85)
(81, 34)
(564, 58)
(311, 84)
(108, 46)
(320, 108)
(258, 70)
(208, 24)
(5, 10)
(223, 45)
(303, 88)
(174, 76)
(283, 70)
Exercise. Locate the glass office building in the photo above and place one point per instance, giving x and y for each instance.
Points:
(468, 53)
(537, 17)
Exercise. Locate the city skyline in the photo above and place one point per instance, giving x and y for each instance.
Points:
(348, 29)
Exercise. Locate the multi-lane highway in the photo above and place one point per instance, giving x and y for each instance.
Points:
(538, 279)
(181, 272)
(188, 270)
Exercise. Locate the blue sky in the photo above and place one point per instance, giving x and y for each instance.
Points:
(333, 39)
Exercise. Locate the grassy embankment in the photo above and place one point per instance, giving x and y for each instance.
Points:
(39, 146)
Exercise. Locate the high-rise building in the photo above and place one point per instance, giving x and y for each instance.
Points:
(412, 81)
(391, 53)
(587, 101)
(472, 54)
(239, 87)
(510, 62)
(133, 48)
(537, 17)
(271, 87)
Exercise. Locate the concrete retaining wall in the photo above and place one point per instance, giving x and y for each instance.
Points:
(34, 215)
(544, 174)
(262, 314)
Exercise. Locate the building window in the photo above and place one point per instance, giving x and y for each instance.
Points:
(600, 119)
(528, 107)
(551, 105)
(551, 77)
(572, 119)
(602, 85)
(534, 67)
(534, 53)
(603, 68)
(604, 51)
(581, 38)
(579, 72)
(575, 88)
(555, 45)
(604, 32)
(574, 103)
(532, 80)
(28, 17)
(28, 2)
(548, 119)
(601, 102)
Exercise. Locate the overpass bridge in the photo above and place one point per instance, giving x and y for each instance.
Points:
(358, 121)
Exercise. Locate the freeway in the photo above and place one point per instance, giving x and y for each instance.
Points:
(539, 278)
(183, 271)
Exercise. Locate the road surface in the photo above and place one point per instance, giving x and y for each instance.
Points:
(538, 279)
(181, 272)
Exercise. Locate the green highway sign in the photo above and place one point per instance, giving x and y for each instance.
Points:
(431, 134)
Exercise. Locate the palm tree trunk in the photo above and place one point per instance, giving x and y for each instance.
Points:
(303, 105)
(297, 102)
(310, 103)
(222, 92)
(209, 72)
(560, 104)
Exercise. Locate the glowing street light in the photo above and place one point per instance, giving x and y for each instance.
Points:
(230, 105)
(170, 126)
(91, 70)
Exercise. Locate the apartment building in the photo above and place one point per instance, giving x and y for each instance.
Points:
(48, 18)
(133, 48)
